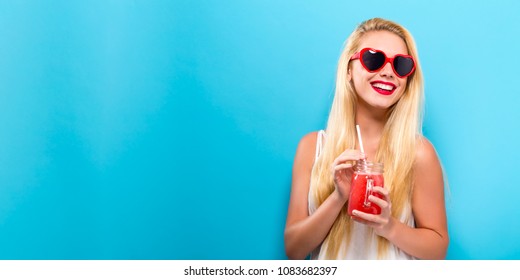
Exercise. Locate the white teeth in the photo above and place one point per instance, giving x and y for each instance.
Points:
(383, 86)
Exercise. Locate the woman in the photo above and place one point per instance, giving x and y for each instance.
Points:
(379, 86)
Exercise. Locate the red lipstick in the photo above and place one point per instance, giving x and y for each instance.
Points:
(384, 88)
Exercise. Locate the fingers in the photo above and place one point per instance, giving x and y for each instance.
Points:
(344, 160)
(365, 218)
(381, 202)
(348, 155)
(382, 191)
(381, 223)
(342, 166)
(384, 203)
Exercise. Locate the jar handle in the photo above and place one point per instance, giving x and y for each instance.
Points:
(368, 192)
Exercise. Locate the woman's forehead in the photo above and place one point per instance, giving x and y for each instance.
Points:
(386, 41)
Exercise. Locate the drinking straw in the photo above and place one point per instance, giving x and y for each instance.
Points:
(359, 139)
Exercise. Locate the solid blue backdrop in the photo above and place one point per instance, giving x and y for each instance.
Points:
(167, 129)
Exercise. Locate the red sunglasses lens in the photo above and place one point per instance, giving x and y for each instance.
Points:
(403, 65)
(375, 60)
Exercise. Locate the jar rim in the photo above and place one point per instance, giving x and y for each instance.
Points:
(366, 165)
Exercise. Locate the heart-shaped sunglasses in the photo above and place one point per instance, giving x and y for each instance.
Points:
(374, 60)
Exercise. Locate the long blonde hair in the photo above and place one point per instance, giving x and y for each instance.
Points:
(397, 146)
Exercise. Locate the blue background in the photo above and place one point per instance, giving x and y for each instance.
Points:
(167, 129)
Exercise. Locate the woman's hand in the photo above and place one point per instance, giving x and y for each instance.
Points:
(342, 171)
(382, 223)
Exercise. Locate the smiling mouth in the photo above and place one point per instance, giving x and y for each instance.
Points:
(383, 88)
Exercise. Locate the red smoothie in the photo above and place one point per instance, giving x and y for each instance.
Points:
(360, 189)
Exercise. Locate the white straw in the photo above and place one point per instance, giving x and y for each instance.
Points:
(359, 139)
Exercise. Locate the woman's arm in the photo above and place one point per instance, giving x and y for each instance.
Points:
(303, 233)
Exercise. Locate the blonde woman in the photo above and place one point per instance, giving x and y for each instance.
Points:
(379, 86)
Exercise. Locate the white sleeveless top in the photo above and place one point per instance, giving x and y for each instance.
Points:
(362, 246)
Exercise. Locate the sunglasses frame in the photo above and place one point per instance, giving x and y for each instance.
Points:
(359, 55)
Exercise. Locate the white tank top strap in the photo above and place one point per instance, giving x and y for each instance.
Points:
(319, 144)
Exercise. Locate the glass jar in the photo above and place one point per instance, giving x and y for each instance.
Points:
(366, 175)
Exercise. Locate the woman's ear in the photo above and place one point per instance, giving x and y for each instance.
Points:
(349, 74)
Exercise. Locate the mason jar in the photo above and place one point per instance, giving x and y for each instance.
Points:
(366, 176)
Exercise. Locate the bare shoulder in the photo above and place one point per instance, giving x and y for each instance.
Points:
(301, 175)
(426, 155)
(428, 204)
(306, 149)
(427, 166)
(309, 141)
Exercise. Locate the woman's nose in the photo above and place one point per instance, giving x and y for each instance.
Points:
(387, 70)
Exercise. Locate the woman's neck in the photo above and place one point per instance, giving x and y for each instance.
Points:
(371, 123)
